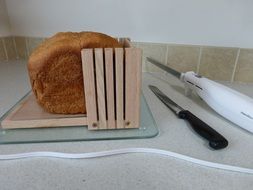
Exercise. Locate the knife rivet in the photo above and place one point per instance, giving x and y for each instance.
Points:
(128, 123)
(94, 125)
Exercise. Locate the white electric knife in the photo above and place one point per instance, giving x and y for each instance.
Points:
(232, 105)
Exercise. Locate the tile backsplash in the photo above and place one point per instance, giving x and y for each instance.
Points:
(10, 48)
(244, 71)
(17, 47)
(183, 58)
(217, 63)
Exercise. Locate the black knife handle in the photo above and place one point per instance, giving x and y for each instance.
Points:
(216, 140)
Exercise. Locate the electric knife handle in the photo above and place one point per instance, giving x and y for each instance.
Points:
(231, 104)
(216, 140)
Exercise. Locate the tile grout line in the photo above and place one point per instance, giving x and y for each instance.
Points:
(5, 50)
(26, 46)
(26, 53)
(199, 58)
(167, 53)
(166, 57)
(15, 47)
(235, 66)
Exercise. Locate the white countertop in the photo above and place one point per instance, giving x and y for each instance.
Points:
(133, 171)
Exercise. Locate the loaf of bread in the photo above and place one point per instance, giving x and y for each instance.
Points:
(55, 70)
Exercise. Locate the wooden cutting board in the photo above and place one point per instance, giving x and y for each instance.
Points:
(28, 114)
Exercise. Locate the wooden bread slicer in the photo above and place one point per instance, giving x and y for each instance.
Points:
(112, 85)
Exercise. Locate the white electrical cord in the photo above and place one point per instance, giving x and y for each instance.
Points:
(126, 151)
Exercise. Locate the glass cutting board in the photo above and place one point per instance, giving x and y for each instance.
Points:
(147, 129)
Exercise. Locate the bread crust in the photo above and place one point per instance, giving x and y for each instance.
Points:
(55, 70)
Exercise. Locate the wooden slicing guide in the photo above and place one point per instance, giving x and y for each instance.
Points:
(112, 85)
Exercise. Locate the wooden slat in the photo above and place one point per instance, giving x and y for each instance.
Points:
(40, 123)
(133, 87)
(89, 88)
(100, 88)
(110, 88)
(119, 64)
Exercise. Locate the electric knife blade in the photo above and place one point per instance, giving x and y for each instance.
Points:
(164, 67)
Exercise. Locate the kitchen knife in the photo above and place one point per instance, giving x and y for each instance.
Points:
(216, 140)
(232, 105)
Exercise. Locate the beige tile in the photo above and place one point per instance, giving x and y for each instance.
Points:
(32, 43)
(134, 44)
(21, 47)
(2, 50)
(244, 70)
(156, 51)
(218, 63)
(183, 57)
(10, 47)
